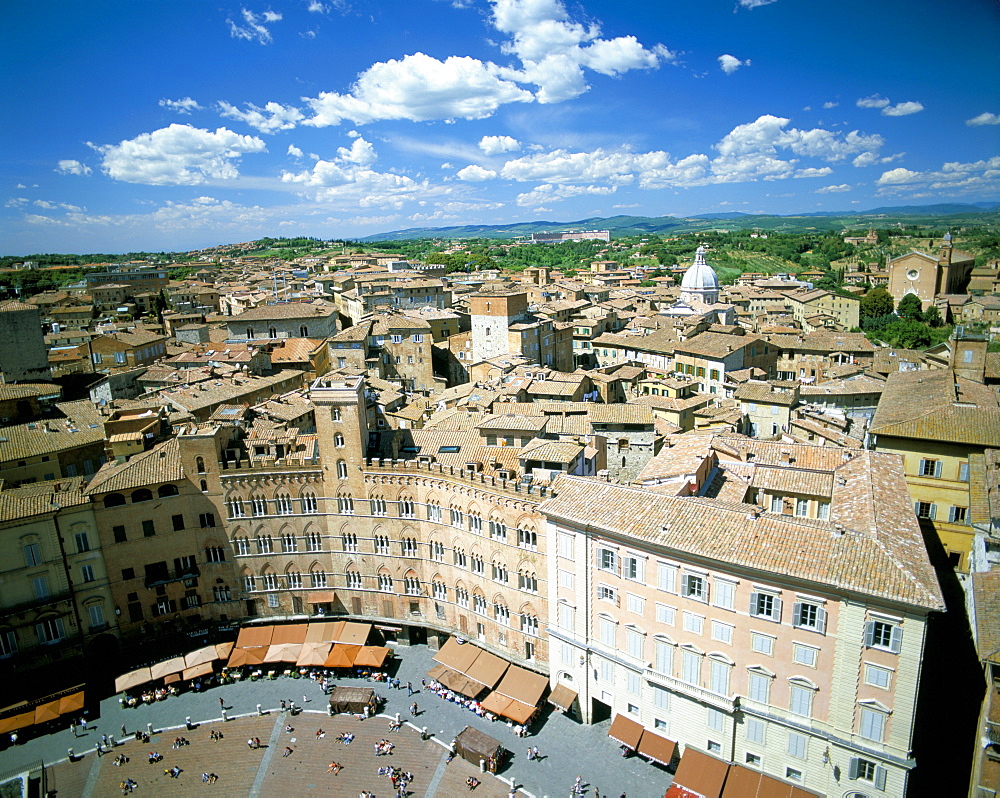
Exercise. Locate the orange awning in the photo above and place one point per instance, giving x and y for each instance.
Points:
(283, 652)
(200, 656)
(71, 703)
(254, 636)
(353, 634)
(523, 685)
(224, 649)
(163, 669)
(562, 697)
(170, 678)
(457, 656)
(132, 679)
(247, 656)
(626, 731)
(372, 656)
(324, 631)
(47, 712)
(342, 656)
(319, 597)
(289, 633)
(204, 669)
(313, 654)
(508, 707)
(487, 669)
(15, 722)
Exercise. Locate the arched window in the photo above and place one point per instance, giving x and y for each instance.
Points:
(354, 580)
(167, 490)
(293, 578)
(526, 580)
(349, 541)
(345, 505)
(440, 590)
(272, 332)
(314, 541)
(527, 539)
(411, 584)
(242, 545)
(500, 572)
(249, 333)
(199, 464)
(309, 505)
(338, 441)
(407, 509)
(258, 505)
(317, 577)
(222, 593)
(270, 580)
(303, 331)
(142, 495)
(378, 505)
(385, 583)
(341, 469)
(235, 508)
(501, 614)
(265, 545)
(114, 500)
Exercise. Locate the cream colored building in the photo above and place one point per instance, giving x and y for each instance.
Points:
(703, 620)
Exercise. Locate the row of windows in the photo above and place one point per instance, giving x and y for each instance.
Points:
(258, 505)
(140, 495)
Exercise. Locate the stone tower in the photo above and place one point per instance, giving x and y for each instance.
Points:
(492, 315)
(342, 432)
(22, 346)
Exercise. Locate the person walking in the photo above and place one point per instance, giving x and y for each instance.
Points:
(413, 709)
(409, 689)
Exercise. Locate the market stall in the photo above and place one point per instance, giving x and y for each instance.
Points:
(475, 746)
(352, 700)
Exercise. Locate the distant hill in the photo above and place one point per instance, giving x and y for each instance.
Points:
(978, 213)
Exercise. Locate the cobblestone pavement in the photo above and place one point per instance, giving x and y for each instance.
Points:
(567, 748)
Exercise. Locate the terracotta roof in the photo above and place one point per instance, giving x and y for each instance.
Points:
(857, 560)
(715, 345)
(764, 394)
(287, 310)
(927, 405)
(620, 414)
(986, 600)
(160, 464)
(82, 425)
(38, 498)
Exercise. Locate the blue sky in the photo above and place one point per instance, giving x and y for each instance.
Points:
(181, 124)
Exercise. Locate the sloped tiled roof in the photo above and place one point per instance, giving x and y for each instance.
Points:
(814, 551)
(160, 464)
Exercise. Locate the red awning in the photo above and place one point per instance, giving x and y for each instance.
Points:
(626, 731)
(659, 749)
(701, 773)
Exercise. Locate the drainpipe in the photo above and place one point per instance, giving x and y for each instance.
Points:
(69, 578)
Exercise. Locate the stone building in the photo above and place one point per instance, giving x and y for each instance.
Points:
(22, 344)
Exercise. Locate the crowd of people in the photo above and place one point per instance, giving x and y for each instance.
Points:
(442, 692)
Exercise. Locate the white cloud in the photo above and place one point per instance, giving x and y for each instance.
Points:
(294, 151)
(348, 179)
(317, 7)
(754, 3)
(419, 88)
(16, 202)
(833, 189)
(954, 178)
(71, 167)
(730, 63)
(903, 109)
(269, 119)
(874, 101)
(183, 106)
(757, 150)
(553, 50)
(475, 174)
(550, 193)
(983, 119)
(254, 26)
(178, 155)
(898, 176)
(831, 104)
(494, 145)
(52, 206)
(814, 172)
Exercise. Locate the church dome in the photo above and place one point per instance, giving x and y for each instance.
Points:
(700, 276)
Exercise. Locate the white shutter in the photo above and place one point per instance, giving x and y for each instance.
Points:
(880, 773)
(821, 620)
(869, 633)
(933, 513)
(855, 767)
(777, 610)
(937, 468)
(796, 614)
(896, 642)
(753, 605)
(684, 584)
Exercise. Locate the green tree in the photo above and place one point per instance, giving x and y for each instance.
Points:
(877, 302)
(932, 316)
(909, 308)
